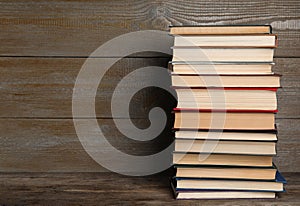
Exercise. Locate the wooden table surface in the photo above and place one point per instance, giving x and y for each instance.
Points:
(113, 189)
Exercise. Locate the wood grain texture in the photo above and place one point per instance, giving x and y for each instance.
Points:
(43, 87)
(76, 28)
(53, 146)
(44, 145)
(34, 87)
(113, 189)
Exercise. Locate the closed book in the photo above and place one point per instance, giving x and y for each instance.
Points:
(220, 29)
(226, 80)
(243, 98)
(222, 159)
(225, 147)
(258, 40)
(226, 172)
(227, 184)
(235, 68)
(223, 54)
(185, 194)
(224, 119)
(269, 136)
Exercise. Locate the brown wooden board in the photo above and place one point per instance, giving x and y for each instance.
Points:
(51, 145)
(76, 28)
(43, 87)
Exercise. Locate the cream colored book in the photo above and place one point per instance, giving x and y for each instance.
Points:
(226, 99)
(225, 147)
(219, 29)
(215, 135)
(221, 68)
(226, 172)
(269, 40)
(230, 185)
(188, 54)
(222, 159)
(222, 120)
(182, 195)
(272, 80)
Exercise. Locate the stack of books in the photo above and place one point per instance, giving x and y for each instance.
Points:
(225, 132)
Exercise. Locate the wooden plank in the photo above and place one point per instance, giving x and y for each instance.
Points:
(76, 28)
(93, 188)
(52, 145)
(34, 87)
(43, 87)
(45, 145)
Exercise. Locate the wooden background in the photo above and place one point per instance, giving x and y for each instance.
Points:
(43, 45)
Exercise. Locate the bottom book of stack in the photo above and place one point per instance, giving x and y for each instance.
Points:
(238, 183)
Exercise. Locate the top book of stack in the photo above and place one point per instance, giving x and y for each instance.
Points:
(252, 44)
(190, 30)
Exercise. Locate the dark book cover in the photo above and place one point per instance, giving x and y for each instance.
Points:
(225, 153)
(220, 166)
(249, 75)
(225, 140)
(218, 62)
(279, 179)
(229, 88)
(223, 110)
(272, 131)
(232, 25)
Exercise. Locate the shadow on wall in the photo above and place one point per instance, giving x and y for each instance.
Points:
(141, 103)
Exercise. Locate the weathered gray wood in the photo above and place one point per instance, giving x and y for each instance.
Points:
(43, 87)
(45, 145)
(76, 28)
(113, 189)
